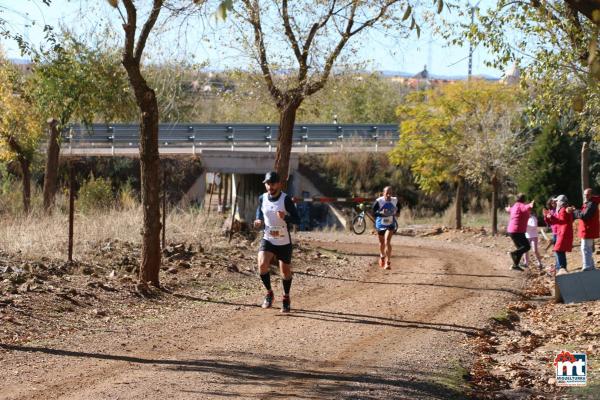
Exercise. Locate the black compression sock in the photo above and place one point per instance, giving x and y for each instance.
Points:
(287, 284)
(266, 280)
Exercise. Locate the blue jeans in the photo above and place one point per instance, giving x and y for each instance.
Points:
(561, 260)
(587, 246)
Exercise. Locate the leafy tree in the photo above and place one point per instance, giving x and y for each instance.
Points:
(80, 83)
(457, 132)
(20, 129)
(551, 166)
(76, 83)
(490, 116)
(354, 97)
(556, 46)
(430, 143)
(317, 36)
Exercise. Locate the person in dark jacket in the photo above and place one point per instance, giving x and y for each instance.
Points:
(276, 211)
(589, 227)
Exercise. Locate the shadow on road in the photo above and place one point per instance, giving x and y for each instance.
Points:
(287, 380)
(337, 316)
(339, 278)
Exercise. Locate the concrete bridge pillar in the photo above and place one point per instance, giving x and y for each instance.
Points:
(196, 194)
(247, 170)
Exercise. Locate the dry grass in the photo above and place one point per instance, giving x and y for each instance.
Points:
(37, 235)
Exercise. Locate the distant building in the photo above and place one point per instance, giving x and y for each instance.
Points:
(512, 75)
(24, 66)
(421, 80)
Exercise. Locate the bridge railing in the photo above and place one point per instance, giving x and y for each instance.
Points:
(232, 135)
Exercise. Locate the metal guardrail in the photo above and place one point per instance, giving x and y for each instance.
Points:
(231, 135)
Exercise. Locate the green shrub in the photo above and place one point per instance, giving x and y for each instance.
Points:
(95, 193)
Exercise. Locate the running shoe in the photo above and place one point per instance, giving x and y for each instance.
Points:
(515, 267)
(285, 304)
(381, 262)
(562, 271)
(388, 265)
(268, 301)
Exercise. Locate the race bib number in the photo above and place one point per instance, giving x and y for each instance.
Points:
(387, 220)
(276, 231)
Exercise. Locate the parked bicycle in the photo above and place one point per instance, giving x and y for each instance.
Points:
(359, 222)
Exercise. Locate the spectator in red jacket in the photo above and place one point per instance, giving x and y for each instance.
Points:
(563, 218)
(589, 227)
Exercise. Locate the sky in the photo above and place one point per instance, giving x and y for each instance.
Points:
(381, 53)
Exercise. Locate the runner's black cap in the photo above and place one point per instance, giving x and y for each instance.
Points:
(271, 177)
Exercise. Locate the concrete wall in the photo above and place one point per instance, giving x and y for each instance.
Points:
(195, 194)
(335, 216)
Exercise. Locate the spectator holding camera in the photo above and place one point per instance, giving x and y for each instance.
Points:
(562, 217)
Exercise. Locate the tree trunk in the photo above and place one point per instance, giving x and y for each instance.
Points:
(51, 172)
(225, 191)
(150, 173)
(585, 167)
(287, 119)
(220, 186)
(495, 204)
(26, 173)
(150, 170)
(458, 206)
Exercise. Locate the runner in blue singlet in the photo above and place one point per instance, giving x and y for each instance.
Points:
(386, 210)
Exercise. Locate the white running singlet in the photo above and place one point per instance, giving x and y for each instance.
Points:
(276, 229)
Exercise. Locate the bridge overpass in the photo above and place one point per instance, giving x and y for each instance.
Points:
(241, 153)
(123, 139)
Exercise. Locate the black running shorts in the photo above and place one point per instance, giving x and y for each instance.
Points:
(283, 253)
(393, 228)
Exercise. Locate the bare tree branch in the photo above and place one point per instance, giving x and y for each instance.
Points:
(129, 29)
(148, 25)
(253, 10)
(290, 33)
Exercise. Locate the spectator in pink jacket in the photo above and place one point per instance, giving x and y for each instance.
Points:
(517, 226)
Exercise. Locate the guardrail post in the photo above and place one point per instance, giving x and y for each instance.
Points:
(111, 130)
(268, 136)
(231, 137)
(192, 138)
(305, 138)
(340, 132)
(376, 138)
(71, 141)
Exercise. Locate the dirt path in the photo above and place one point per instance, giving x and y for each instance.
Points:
(372, 334)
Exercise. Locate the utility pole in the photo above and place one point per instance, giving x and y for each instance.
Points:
(470, 72)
